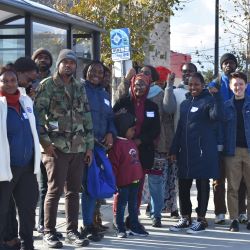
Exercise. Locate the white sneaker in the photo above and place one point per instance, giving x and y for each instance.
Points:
(219, 219)
(197, 227)
(183, 223)
(242, 218)
(121, 234)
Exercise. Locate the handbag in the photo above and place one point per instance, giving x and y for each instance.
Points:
(100, 177)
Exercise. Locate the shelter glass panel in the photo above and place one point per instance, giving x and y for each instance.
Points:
(51, 38)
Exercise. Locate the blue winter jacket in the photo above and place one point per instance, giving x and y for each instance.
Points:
(195, 143)
(20, 138)
(230, 125)
(101, 111)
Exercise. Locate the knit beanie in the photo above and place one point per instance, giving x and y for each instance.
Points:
(228, 56)
(42, 51)
(66, 54)
(124, 121)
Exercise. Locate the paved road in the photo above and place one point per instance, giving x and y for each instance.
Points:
(216, 237)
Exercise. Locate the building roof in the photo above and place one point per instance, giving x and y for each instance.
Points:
(21, 7)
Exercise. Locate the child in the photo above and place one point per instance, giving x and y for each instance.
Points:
(237, 146)
(128, 172)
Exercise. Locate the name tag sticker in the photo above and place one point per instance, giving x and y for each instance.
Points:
(53, 125)
(150, 114)
(194, 109)
(107, 102)
(25, 116)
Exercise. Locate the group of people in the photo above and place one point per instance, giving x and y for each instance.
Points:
(158, 138)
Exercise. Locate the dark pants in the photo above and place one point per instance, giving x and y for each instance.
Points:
(24, 188)
(219, 193)
(202, 196)
(11, 229)
(42, 193)
(127, 195)
(64, 173)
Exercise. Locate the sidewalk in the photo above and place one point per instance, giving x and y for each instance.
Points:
(216, 236)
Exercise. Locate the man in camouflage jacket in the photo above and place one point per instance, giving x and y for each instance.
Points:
(67, 139)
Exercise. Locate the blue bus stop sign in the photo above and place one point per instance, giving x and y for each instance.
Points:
(120, 44)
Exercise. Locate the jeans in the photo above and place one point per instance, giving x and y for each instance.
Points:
(127, 194)
(42, 193)
(88, 202)
(156, 186)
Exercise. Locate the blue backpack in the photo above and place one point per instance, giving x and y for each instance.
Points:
(100, 178)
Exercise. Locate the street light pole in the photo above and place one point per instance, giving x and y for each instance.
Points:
(216, 45)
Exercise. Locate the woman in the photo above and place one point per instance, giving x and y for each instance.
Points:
(147, 121)
(20, 157)
(104, 132)
(195, 148)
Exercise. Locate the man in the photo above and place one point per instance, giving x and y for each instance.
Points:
(237, 146)
(67, 139)
(26, 73)
(228, 63)
(179, 93)
(43, 60)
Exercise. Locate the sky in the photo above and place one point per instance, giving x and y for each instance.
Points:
(193, 28)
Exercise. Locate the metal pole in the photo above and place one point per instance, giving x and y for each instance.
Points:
(216, 46)
(248, 46)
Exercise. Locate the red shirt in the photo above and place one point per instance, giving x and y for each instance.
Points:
(125, 161)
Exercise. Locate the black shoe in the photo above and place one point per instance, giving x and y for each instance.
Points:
(234, 227)
(26, 248)
(7, 247)
(101, 228)
(156, 222)
(59, 235)
(76, 239)
(203, 220)
(91, 233)
(248, 225)
(175, 214)
(52, 241)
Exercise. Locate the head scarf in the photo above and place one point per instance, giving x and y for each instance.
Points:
(139, 101)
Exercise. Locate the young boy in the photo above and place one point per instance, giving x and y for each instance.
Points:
(128, 172)
(237, 146)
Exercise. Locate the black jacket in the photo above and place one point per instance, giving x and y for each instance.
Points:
(150, 128)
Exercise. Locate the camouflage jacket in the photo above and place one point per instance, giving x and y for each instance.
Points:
(64, 115)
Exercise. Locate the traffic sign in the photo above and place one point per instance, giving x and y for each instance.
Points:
(120, 44)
